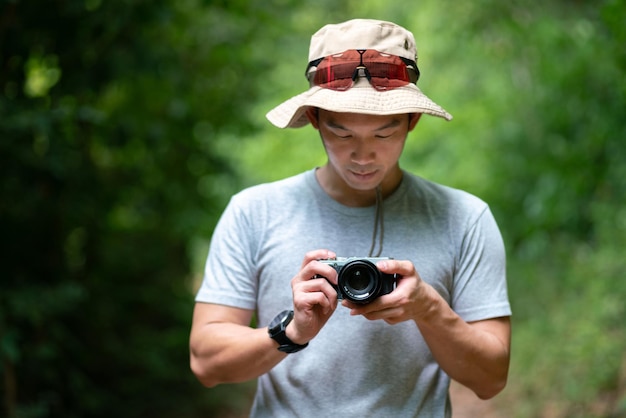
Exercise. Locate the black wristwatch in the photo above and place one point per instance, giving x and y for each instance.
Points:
(276, 330)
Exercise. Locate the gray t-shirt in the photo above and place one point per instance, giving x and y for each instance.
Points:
(355, 367)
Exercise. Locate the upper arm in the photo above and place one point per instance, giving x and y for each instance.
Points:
(209, 318)
(211, 313)
(222, 344)
(500, 328)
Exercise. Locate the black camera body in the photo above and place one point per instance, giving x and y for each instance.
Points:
(359, 280)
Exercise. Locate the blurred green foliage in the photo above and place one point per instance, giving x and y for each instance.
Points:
(107, 114)
(126, 125)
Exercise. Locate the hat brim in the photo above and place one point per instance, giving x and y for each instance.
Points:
(361, 98)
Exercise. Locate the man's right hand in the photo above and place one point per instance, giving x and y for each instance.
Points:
(314, 298)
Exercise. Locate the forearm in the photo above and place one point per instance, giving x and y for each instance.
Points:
(225, 349)
(476, 355)
(230, 353)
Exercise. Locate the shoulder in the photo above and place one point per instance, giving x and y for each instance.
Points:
(263, 190)
(441, 197)
(272, 193)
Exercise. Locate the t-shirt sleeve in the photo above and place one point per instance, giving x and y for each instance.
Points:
(229, 275)
(480, 289)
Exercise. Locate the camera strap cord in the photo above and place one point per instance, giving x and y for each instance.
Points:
(378, 219)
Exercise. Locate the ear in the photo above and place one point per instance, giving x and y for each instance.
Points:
(312, 113)
(413, 119)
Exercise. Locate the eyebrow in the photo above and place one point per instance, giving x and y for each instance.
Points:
(392, 124)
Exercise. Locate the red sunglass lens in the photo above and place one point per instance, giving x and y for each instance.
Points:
(334, 76)
(383, 71)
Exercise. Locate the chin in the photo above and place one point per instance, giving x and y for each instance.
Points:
(363, 187)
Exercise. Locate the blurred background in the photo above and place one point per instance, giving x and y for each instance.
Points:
(125, 126)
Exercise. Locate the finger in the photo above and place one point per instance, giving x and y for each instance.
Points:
(313, 285)
(320, 285)
(363, 309)
(312, 301)
(391, 315)
(401, 267)
(380, 304)
(308, 294)
(325, 271)
(315, 269)
(320, 254)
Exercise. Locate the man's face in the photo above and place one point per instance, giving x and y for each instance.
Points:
(363, 150)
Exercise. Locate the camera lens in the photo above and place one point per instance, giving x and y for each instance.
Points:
(360, 281)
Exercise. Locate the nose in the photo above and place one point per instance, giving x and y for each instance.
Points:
(363, 153)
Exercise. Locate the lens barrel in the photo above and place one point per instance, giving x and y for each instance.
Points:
(360, 281)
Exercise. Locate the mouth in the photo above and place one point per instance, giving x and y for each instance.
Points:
(364, 175)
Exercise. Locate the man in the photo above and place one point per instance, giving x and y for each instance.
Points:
(271, 256)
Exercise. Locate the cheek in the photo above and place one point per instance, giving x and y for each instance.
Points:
(337, 151)
(390, 152)
(398, 149)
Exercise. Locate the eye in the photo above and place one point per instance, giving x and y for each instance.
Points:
(341, 134)
(384, 135)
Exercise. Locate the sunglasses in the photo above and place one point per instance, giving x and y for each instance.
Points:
(383, 71)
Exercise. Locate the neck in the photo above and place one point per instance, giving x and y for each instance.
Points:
(340, 191)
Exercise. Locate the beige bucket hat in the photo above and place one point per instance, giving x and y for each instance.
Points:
(385, 37)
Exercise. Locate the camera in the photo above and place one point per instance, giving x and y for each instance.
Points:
(359, 280)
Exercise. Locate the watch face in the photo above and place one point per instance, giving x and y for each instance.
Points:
(281, 318)
(276, 330)
(284, 315)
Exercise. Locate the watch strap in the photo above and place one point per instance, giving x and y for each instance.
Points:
(276, 331)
